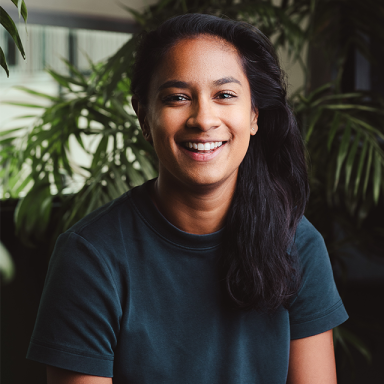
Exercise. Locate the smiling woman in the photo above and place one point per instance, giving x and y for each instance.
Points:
(198, 96)
(209, 273)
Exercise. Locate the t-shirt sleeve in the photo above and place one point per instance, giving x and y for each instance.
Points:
(317, 307)
(79, 314)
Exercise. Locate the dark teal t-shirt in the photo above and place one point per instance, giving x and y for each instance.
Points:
(131, 296)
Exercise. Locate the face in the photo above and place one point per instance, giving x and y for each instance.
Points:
(199, 115)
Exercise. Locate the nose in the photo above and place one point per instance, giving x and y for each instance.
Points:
(203, 116)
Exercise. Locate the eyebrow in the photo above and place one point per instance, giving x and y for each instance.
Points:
(226, 80)
(183, 84)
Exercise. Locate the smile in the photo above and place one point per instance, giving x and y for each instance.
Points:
(202, 147)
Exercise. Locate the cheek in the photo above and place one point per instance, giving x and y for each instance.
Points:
(163, 139)
(241, 127)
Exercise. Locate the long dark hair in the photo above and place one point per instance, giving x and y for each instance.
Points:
(259, 263)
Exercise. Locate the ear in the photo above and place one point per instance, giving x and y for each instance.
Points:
(254, 126)
(141, 114)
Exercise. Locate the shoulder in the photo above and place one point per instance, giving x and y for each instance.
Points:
(104, 218)
(306, 233)
(100, 237)
(113, 222)
(310, 245)
(317, 306)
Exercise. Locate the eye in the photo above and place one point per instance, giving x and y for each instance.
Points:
(174, 98)
(225, 95)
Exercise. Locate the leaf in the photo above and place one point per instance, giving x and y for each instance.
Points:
(7, 141)
(319, 90)
(367, 170)
(20, 4)
(313, 123)
(377, 167)
(33, 211)
(9, 25)
(49, 135)
(356, 342)
(134, 175)
(94, 202)
(352, 106)
(26, 105)
(111, 188)
(351, 159)
(35, 93)
(334, 126)
(77, 135)
(22, 185)
(343, 149)
(137, 15)
(65, 81)
(75, 71)
(145, 164)
(100, 151)
(6, 132)
(121, 186)
(3, 62)
(367, 126)
(360, 166)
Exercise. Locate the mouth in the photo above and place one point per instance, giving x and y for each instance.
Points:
(202, 148)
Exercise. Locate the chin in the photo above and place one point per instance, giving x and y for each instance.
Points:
(209, 180)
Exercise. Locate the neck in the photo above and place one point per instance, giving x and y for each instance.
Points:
(194, 209)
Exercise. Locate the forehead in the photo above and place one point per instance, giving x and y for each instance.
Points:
(199, 60)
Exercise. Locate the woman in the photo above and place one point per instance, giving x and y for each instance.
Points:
(210, 273)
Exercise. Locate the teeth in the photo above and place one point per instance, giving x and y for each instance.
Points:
(204, 146)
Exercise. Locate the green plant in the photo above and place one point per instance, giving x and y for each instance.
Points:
(88, 113)
(7, 22)
(7, 267)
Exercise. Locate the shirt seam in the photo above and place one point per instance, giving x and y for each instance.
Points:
(114, 203)
(70, 350)
(163, 237)
(308, 319)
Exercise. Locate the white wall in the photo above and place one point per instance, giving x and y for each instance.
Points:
(105, 8)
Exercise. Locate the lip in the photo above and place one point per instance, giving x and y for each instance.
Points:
(202, 156)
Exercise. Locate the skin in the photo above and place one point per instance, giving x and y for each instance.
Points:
(312, 360)
(201, 93)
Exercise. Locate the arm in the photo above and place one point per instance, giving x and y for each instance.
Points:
(312, 360)
(62, 376)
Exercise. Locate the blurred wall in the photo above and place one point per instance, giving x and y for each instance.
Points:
(101, 8)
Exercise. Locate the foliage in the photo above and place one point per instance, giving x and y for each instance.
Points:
(344, 337)
(344, 137)
(7, 267)
(88, 114)
(7, 22)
